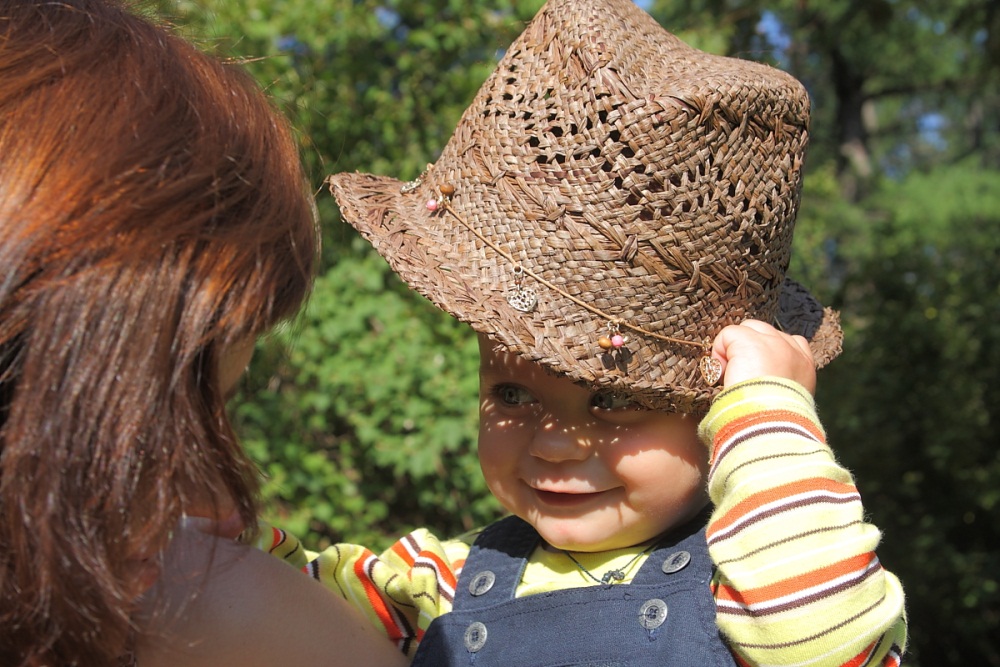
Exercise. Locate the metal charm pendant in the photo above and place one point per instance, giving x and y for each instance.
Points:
(521, 298)
(613, 577)
(711, 370)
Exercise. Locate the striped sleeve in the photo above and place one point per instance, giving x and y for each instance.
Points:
(400, 591)
(280, 544)
(798, 581)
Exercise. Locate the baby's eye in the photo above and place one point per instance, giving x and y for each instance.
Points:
(609, 400)
(511, 395)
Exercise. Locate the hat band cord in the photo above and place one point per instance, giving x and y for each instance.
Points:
(709, 367)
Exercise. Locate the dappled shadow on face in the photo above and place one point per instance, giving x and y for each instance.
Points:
(556, 423)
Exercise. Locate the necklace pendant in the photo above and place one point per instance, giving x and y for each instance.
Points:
(612, 577)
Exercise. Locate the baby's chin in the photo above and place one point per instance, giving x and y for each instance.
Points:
(583, 537)
(611, 528)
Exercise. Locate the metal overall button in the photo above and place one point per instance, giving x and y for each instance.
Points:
(652, 613)
(676, 562)
(482, 583)
(475, 637)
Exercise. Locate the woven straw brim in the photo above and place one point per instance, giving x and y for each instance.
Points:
(606, 172)
(450, 266)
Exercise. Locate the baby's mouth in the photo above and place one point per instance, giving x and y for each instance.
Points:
(566, 499)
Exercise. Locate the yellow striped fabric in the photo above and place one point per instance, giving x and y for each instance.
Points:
(798, 580)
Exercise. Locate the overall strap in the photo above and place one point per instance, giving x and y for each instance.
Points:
(681, 553)
(496, 561)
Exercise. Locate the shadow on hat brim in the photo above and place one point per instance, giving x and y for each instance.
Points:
(800, 314)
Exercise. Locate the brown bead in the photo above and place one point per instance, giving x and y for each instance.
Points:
(604, 342)
(447, 189)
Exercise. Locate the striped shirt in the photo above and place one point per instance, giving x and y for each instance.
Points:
(798, 582)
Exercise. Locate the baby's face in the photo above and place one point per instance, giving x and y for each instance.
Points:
(588, 470)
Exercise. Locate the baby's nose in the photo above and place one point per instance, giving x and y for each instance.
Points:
(559, 440)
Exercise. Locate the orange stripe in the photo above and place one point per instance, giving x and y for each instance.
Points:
(277, 537)
(733, 428)
(892, 660)
(778, 493)
(403, 553)
(444, 573)
(382, 610)
(796, 584)
(860, 658)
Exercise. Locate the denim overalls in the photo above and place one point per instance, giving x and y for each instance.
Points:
(664, 618)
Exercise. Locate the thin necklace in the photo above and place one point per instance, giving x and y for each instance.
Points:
(616, 575)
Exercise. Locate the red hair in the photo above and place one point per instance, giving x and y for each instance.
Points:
(153, 211)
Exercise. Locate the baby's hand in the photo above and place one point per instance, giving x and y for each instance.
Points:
(754, 349)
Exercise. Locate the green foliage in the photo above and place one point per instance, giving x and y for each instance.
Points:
(875, 70)
(915, 402)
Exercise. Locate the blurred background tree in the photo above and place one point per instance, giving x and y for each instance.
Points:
(363, 414)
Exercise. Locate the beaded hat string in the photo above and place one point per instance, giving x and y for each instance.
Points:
(709, 367)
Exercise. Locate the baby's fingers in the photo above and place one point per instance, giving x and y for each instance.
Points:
(755, 349)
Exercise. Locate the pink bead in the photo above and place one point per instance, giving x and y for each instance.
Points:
(617, 340)
(432, 204)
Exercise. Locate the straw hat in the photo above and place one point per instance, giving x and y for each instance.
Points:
(611, 200)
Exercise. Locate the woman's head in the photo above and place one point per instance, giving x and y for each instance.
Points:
(153, 213)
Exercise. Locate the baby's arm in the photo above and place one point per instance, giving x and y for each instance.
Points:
(798, 579)
(399, 591)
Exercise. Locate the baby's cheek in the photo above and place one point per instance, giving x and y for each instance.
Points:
(505, 489)
(490, 469)
(664, 481)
